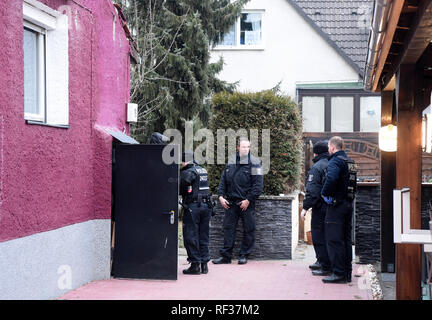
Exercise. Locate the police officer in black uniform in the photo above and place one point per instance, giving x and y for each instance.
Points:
(338, 191)
(313, 199)
(196, 201)
(240, 185)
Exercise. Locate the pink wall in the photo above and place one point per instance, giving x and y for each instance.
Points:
(51, 177)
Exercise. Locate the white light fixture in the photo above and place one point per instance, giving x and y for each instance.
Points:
(427, 133)
(388, 138)
(132, 112)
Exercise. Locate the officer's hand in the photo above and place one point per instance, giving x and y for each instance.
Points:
(223, 202)
(328, 200)
(244, 204)
(303, 214)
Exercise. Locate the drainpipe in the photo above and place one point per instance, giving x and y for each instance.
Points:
(376, 36)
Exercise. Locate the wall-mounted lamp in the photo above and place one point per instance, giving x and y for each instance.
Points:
(388, 138)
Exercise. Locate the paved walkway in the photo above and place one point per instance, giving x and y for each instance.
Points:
(257, 280)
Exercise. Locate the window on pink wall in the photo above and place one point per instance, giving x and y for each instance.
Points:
(46, 65)
(34, 72)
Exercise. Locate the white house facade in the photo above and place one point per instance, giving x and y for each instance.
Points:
(290, 50)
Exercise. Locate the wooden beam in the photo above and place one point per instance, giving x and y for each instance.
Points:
(408, 174)
(388, 183)
(387, 108)
(405, 89)
(395, 13)
(417, 19)
(424, 65)
(402, 28)
(425, 60)
(427, 89)
(422, 38)
(409, 9)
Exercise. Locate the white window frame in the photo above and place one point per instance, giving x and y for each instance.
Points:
(40, 73)
(239, 46)
(402, 232)
(53, 81)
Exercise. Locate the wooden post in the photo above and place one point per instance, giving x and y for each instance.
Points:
(388, 183)
(408, 174)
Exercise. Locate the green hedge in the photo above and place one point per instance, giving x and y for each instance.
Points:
(263, 110)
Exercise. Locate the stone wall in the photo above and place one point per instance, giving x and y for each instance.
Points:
(426, 197)
(368, 223)
(274, 229)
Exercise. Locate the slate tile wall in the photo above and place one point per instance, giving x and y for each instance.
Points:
(368, 224)
(273, 230)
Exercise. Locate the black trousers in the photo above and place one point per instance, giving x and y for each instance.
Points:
(196, 229)
(231, 218)
(318, 235)
(338, 226)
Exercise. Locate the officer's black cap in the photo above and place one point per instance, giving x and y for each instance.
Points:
(158, 138)
(187, 156)
(320, 147)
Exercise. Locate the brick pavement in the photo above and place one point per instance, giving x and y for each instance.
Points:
(257, 280)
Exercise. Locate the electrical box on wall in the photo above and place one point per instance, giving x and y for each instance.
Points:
(132, 112)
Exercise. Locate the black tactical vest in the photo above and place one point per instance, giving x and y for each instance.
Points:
(199, 189)
(351, 179)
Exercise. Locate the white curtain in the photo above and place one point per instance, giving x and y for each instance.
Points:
(253, 37)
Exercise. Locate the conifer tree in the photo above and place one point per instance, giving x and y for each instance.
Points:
(175, 79)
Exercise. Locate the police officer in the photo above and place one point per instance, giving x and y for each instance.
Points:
(313, 199)
(194, 189)
(339, 195)
(240, 185)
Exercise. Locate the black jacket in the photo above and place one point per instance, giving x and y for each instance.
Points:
(315, 181)
(187, 177)
(241, 181)
(336, 183)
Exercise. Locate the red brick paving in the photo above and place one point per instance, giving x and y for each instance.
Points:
(257, 280)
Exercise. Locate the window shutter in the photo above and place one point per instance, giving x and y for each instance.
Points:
(57, 73)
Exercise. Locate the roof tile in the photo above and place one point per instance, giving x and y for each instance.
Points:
(345, 22)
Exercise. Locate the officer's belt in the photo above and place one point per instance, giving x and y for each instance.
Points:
(235, 199)
(340, 200)
(204, 199)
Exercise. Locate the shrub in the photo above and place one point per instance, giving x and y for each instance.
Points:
(263, 110)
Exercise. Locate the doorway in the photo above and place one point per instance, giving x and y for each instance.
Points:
(145, 213)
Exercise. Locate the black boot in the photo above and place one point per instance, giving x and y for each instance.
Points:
(315, 266)
(221, 260)
(193, 269)
(204, 268)
(334, 278)
(321, 272)
(242, 260)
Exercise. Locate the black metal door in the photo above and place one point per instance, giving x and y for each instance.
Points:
(146, 214)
